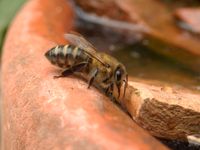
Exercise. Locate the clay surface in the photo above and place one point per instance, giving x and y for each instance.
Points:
(40, 112)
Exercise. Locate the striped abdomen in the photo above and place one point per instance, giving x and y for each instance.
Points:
(66, 55)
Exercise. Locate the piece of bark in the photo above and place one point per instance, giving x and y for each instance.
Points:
(40, 112)
(164, 111)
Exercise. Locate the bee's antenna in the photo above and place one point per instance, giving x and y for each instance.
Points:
(126, 84)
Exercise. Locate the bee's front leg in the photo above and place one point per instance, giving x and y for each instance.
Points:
(109, 89)
(118, 89)
(72, 69)
(93, 73)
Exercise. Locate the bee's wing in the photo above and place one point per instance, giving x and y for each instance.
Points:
(78, 40)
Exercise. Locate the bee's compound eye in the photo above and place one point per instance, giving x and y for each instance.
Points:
(118, 75)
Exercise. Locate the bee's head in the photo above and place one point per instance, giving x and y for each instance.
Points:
(50, 55)
(120, 77)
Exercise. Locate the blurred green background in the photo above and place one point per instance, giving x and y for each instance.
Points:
(8, 9)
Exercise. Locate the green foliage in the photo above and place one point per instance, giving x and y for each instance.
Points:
(8, 9)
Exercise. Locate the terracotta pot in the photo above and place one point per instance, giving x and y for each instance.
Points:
(40, 112)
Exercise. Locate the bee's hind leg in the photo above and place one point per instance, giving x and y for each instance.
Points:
(93, 75)
(72, 69)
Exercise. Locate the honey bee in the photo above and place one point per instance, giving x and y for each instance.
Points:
(81, 57)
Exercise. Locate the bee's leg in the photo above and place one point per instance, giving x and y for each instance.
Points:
(93, 75)
(109, 89)
(72, 69)
(118, 88)
(65, 73)
(106, 80)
